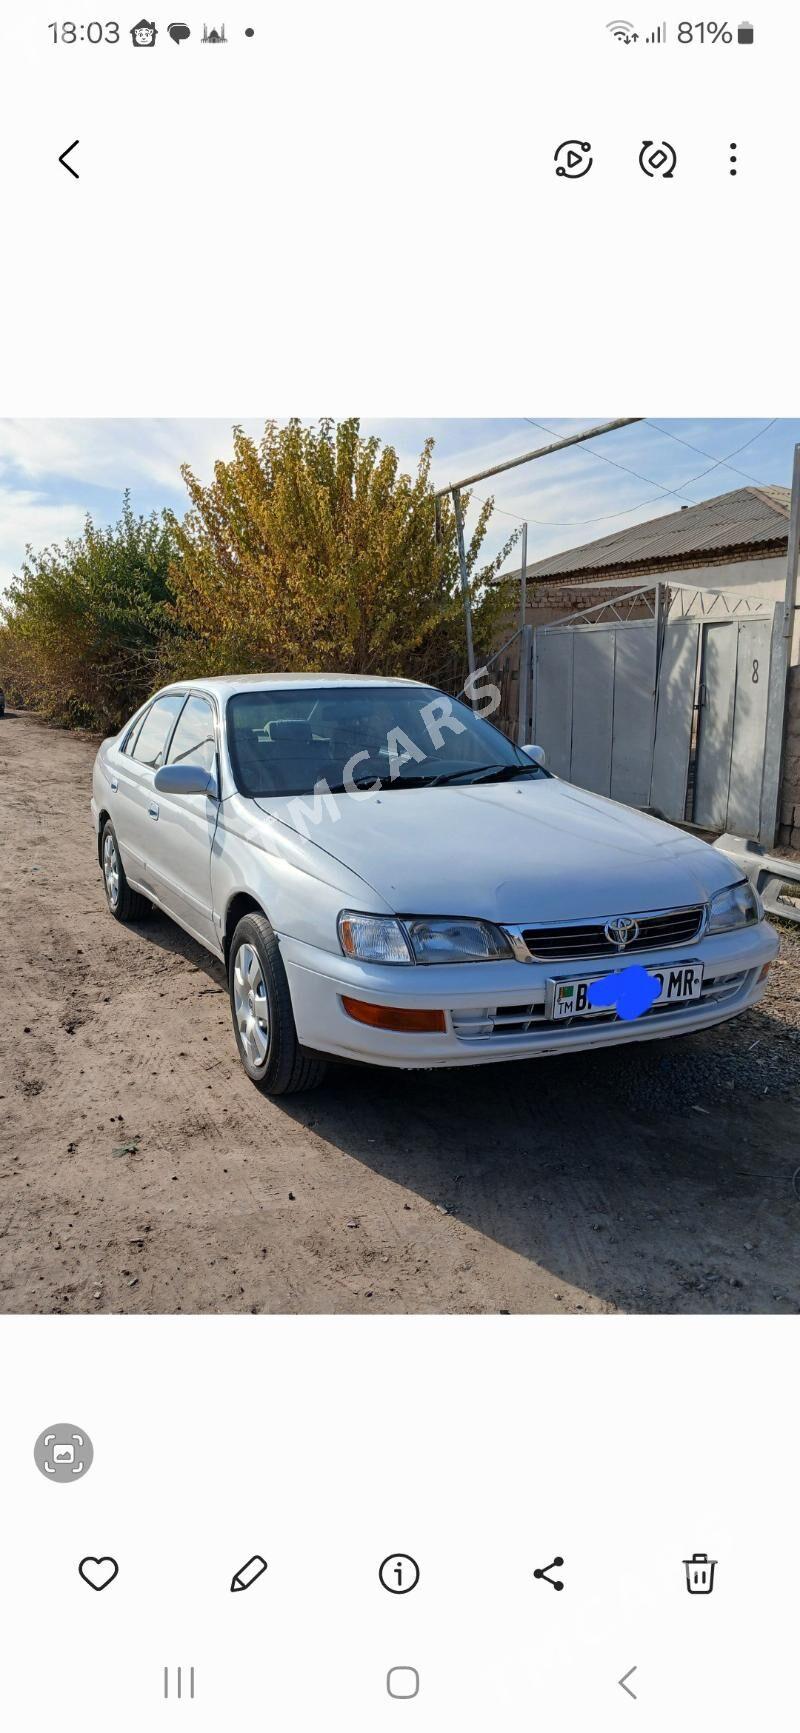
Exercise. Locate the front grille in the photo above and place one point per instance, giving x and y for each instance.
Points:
(499, 1022)
(480, 1022)
(564, 944)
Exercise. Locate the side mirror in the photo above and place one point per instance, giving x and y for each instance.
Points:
(185, 779)
(534, 752)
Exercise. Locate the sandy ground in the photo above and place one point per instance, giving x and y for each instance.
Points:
(141, 1172)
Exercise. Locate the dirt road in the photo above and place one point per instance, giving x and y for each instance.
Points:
(141, 1172)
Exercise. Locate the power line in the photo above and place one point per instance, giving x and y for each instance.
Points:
(648, 480)
(716, 463)
(725, 463)
(567, 523)
(627, 511)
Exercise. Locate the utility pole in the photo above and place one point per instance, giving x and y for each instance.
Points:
(462, 566)
(524, 643)
(790, 595)
(454, 489)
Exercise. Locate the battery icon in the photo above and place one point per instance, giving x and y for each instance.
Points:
(745, 32)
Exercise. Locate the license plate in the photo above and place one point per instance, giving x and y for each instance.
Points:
(677, 983)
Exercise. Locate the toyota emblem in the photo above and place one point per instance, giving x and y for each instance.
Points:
(621, 931)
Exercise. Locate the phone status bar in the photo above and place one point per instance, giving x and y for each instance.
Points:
(146, 33)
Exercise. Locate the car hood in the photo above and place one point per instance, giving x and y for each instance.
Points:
(514, 852)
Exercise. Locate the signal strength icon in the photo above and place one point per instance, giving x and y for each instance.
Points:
(657, 35)
(622, 30)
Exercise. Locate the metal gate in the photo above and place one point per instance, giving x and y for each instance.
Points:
(664, 698)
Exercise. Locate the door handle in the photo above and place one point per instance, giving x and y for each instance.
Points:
(114, 784)
(152, 810)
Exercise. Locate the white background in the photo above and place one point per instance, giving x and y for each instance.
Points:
(483, 1447)
(358, 212)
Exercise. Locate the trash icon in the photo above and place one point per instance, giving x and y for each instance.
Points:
(700, 1573)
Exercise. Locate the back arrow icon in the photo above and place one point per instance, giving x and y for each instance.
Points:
(627, 1687)
(68, 165)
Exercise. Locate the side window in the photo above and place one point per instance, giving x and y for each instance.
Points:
(194, 740)
(132, 735)
(148, 747)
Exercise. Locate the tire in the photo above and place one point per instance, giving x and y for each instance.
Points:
(268, 1046)
(123, 903)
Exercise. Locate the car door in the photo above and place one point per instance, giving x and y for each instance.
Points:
(135, 808)
(181, 838)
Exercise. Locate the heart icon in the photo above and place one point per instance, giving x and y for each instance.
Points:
(98, 1572)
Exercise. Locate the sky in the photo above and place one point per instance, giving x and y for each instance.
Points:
(53, 472)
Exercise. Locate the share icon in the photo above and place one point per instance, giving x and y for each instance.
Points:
(543, 1577)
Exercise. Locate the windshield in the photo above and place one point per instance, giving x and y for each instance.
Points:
(288, 740)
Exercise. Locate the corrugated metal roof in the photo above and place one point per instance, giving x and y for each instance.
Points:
(750, 517)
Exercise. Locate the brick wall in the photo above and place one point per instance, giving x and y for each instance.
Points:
(548, 602)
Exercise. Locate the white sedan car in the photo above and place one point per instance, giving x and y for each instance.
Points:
(389, 880)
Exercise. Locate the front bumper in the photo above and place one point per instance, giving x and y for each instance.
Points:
(495, 1011)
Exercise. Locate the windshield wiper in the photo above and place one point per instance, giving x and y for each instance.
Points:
(489, 773)
(507, 772)
(469, 770)
(382, 782)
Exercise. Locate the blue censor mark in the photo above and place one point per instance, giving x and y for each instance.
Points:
(632, 991)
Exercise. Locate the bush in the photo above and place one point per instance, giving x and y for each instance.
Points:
(307, 551)
(84, 626)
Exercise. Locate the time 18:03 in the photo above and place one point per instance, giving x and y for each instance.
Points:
(85, 32)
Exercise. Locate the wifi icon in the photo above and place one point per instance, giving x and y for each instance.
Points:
(622, 30)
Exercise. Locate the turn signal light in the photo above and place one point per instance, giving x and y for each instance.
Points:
(395, 1017)
(765, 971)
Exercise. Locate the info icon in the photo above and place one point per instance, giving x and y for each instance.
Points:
(63, 1453)
(399, 1573)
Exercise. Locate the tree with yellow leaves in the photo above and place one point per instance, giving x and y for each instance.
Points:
(310, 550)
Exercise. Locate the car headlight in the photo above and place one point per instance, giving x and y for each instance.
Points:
(382, 939)
(737, 906)
(456, 941)
(373, 938)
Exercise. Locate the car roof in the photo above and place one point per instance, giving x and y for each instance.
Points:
(227, 685)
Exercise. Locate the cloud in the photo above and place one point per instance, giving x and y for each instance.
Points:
(116, 453)
(29, 517)
(53, 472)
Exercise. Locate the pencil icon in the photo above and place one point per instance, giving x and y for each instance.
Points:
(249, 1573)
